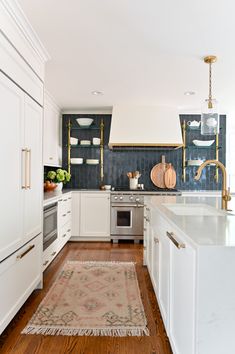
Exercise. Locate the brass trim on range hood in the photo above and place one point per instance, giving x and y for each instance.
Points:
(175, 146)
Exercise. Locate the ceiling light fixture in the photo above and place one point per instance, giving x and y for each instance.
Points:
(97, 93)
(189, 93)
(210, 116)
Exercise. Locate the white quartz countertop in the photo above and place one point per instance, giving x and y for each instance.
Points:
(51, 197)
(201, 230)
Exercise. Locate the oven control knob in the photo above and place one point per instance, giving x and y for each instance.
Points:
(131, 197)
(121, 198)
(116, 198)
(137, 199)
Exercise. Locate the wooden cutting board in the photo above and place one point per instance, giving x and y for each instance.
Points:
(157, 174)
(170, 177)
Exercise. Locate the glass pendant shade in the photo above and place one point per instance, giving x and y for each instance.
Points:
(210, 118)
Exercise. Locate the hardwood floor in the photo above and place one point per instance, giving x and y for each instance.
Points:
(11, 341)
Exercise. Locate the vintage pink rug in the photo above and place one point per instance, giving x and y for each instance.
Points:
(92, 299)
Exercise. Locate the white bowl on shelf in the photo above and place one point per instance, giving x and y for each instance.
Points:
(194, 162)
(76, 161)
(73, 141)
(85, 142)
(203, 142)
(92, 161)
(84, 122)
(96, 141)
(107, 187)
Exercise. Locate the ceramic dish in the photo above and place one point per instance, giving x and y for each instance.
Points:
(85, 142)
(92, 161)
(194, 162)
(96, 141)
(73, 141)
(203, 142)
(84, 122)
(76, 161)
(107, 187)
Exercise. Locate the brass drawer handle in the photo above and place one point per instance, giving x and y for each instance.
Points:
(65, 200)
(64, 214)
(45, 263)
(25, 252)
(68, 230)
(156, 240)
(53, 253)
(68, 212)
(64, 235)
(176, 243)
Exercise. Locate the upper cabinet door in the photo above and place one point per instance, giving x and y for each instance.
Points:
(12, 166)
(34, 169)
(51, 136)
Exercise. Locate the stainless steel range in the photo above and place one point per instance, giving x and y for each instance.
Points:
(127, 214)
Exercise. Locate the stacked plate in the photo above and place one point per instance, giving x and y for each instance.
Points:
(92, 161)
(76, 161)
(73, 141)
(85, 142)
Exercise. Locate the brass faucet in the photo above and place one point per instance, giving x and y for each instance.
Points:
(225, 192)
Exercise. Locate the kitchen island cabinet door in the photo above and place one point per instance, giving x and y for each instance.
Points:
(95, 215)
(182, 298)
(155, 260)
(12, 163)
(34, 181)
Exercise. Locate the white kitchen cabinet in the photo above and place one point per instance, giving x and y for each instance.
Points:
(19, 276)
(155, 260)
(95, 215)
(21, 161)
(76, 200)
(52, 141)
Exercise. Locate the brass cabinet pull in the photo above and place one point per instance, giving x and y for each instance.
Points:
(29, 168)
(176, 243)
(24, 184)
(65, 200)
(64, 235)
(45, 263)
(68, 230)
(53, 253)
(68, 212)
(156, 240)
(25, 252)
(64, 214)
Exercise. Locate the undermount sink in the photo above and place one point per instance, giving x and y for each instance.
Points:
(194, 209)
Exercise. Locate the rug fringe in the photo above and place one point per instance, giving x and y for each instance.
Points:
(86, 332)
(102, 262)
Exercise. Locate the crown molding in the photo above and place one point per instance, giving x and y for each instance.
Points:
(88, 110)
(15, 12)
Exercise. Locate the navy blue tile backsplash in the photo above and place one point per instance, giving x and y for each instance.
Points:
(118, 162)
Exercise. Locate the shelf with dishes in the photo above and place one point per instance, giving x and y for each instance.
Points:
(202, 145)
(79, 141)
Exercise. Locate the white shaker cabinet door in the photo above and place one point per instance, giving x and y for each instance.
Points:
(11, 162)
(155, 261)
(76, 214)
(182, 298)
(34, 191)
(95, 215)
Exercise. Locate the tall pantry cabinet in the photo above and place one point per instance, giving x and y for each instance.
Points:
(22, 61)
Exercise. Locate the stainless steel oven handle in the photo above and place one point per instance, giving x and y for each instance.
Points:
(127, 205)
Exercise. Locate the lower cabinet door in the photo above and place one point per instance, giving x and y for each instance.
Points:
(95, 215)
(155, 261)
(19, 275)
(182, 299)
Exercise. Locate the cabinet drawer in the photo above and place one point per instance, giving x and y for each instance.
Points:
(64, 210)
(19, 275)
(65, 232)
(50, 253)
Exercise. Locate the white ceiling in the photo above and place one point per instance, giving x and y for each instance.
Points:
(135, 51)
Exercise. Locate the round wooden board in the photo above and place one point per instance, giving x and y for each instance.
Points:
(157, 175)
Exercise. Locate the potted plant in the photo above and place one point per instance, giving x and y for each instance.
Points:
(56, 179)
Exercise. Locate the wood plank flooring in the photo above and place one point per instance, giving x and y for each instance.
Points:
(11, 341)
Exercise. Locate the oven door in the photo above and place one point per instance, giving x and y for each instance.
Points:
(49, 225)
(127, 220)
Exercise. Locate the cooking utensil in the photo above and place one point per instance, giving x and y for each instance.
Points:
(158, 172)
(129, 175)
(170, 177)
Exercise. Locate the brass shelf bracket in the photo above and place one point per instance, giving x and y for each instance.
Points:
(102, 151)
(184, 151)
(69, 146)
(217, 157)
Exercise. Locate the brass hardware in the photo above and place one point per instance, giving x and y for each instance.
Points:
(54, 253)
(145, 229)
(156, 240)
(184, 152)
(147, 219)
(68, 230)
(102, 151)
(68, 212)
(217, 157)
(69, 146)
(226, 197)
(29, 168)
(210, 59)
(69, 198)
(25, 252)
(65, 200)
(45, 263)
(50, 158)
(64, 214)
(60, 200)
(24, 184)
(147, 209)
(176, 243)
(64, 235)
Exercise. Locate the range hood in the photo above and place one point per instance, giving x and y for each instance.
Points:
(145, 126)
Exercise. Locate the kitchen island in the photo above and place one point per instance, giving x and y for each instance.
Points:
(189, 249)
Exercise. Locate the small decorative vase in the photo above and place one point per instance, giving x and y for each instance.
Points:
(59, 187)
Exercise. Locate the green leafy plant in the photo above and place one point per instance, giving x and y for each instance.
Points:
(58, 176)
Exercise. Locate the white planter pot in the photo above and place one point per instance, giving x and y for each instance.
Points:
(59, 187)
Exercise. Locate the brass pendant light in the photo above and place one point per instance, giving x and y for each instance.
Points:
(210, 116)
